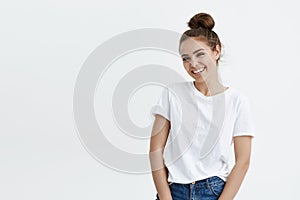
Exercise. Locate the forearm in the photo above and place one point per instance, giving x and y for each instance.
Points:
(160, 177)
(234, 181)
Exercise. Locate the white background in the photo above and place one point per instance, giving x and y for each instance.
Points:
(43, 45)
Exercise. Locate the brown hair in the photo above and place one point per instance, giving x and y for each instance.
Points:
(201, 26)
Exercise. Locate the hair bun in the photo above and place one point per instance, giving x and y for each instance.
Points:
(202, 20)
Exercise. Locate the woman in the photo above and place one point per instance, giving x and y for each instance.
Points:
(196, 123)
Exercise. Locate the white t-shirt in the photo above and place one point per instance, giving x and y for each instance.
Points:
(202, 128)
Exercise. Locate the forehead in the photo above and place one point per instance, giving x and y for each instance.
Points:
(190, 45)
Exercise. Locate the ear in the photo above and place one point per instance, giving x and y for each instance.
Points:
(217, 52)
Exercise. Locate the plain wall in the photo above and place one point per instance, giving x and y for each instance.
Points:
(43, 45)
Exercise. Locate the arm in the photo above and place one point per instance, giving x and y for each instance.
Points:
(242, 150)
(159, 135)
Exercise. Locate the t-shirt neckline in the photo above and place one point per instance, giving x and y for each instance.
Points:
(207, 97)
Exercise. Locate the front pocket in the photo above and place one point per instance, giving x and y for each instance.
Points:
(217, 188)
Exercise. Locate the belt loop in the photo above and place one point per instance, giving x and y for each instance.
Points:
(208, 181)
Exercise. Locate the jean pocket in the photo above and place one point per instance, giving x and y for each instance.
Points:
(217, 189)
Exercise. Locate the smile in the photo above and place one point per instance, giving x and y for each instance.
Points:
(199, 70)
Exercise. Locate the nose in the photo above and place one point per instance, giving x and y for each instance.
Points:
(193, 62)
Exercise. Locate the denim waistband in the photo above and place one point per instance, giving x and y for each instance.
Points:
(214, 180)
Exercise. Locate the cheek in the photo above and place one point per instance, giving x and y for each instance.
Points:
(186, 65)
(204, 59)
(208, 61)
(212, 59)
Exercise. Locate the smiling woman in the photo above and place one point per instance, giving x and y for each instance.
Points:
(199, 121)
(200, 49)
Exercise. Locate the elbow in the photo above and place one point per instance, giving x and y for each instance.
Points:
(156, 158)
(243, 164)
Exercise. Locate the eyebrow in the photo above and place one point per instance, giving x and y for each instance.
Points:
(193, 52)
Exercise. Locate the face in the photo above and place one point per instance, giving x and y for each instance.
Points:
(199, 60)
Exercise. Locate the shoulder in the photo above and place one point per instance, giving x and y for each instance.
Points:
(237, 95)
(177, 88)
(240, 101)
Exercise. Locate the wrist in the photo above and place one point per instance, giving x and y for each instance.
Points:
(166, 197)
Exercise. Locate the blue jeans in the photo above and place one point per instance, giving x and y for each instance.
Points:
(206, 189)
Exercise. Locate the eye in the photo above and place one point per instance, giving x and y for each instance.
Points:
(185, 59)
(200, 54)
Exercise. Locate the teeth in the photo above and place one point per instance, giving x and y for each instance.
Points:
(199, 70)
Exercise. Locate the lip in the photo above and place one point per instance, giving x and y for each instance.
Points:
(198, 74)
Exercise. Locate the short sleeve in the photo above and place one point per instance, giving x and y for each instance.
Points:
(163, 105)
(244, 124)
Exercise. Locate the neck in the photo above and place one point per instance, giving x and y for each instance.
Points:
(209, 88)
